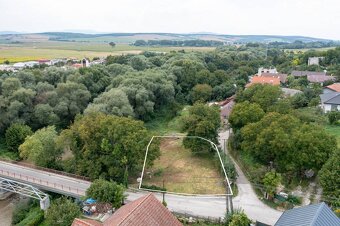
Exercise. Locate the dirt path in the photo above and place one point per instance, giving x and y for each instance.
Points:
(6, 211)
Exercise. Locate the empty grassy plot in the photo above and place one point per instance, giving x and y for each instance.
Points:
(184, 172)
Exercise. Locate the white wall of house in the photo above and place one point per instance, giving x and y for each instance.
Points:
(328, 107)
(266, 70)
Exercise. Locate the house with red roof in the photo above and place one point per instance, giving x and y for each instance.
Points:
(264, 80)
(332, 88)
(145, 211)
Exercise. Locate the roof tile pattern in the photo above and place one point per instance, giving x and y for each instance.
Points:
(86, 222)
(264, 80)
(282, 77)
(335, 87)
(145, 211)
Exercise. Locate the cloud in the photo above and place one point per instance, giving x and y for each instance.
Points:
(285, 17)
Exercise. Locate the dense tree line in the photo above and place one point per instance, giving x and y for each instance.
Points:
(268, 128)
(128, 85)
(303, 45)
(137, 87)
(195, 42)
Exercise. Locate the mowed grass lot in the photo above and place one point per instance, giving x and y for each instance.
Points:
(52, 49)
(334, 130)
(184, 172)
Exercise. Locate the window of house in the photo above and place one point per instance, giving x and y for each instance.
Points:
(334, 107)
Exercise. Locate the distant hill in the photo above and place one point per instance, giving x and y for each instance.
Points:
(132, 37)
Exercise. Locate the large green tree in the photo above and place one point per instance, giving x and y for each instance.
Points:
(244, 113)
(264, 95)
(202, 121)
(329, 177)
(201, 92)
(62, 212)
(114, 102)
(291, 145)
(15, 135)
(108, 146)
(72, 100)
(106, 191)
(41, 149)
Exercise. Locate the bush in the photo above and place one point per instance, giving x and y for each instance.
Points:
(333, 117)
(34, 217)
(62, 212)
(20, 212)
(294, 200)
(106, 191)
(237, 218)
(15, 135)
(153, 187)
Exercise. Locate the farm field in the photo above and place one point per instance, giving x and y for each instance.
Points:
(305, 50)
(184, 172)
(52, 49)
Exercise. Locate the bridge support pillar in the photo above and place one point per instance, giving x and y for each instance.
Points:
(45, 203)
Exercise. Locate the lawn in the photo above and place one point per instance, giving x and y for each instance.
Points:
(334, 130)
(184, 172)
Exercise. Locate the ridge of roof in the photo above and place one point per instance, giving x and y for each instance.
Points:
(317, 213)
(336, 95)
(138, 205)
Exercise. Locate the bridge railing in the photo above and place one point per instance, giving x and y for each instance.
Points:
(45, 169)
(44, 183)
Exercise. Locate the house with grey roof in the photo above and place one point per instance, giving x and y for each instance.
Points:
(306, 73)
(312, 215)
(330, 101)
(314, 76)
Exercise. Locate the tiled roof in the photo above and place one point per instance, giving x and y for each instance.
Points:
(282, 77)
(330, 98)
(264, 80)
(319, 78)
(306, 73)
(312, 215)
(85, 222)
(335, 87)
(145, 211)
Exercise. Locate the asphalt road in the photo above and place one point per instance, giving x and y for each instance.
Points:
(247, 198)
(44, 180)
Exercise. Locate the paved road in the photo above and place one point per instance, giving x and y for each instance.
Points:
(247, 198)
(44, 180)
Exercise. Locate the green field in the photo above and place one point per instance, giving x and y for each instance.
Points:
(52, 49)
(305, 50)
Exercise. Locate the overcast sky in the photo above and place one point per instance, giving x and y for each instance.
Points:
(316, 18)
